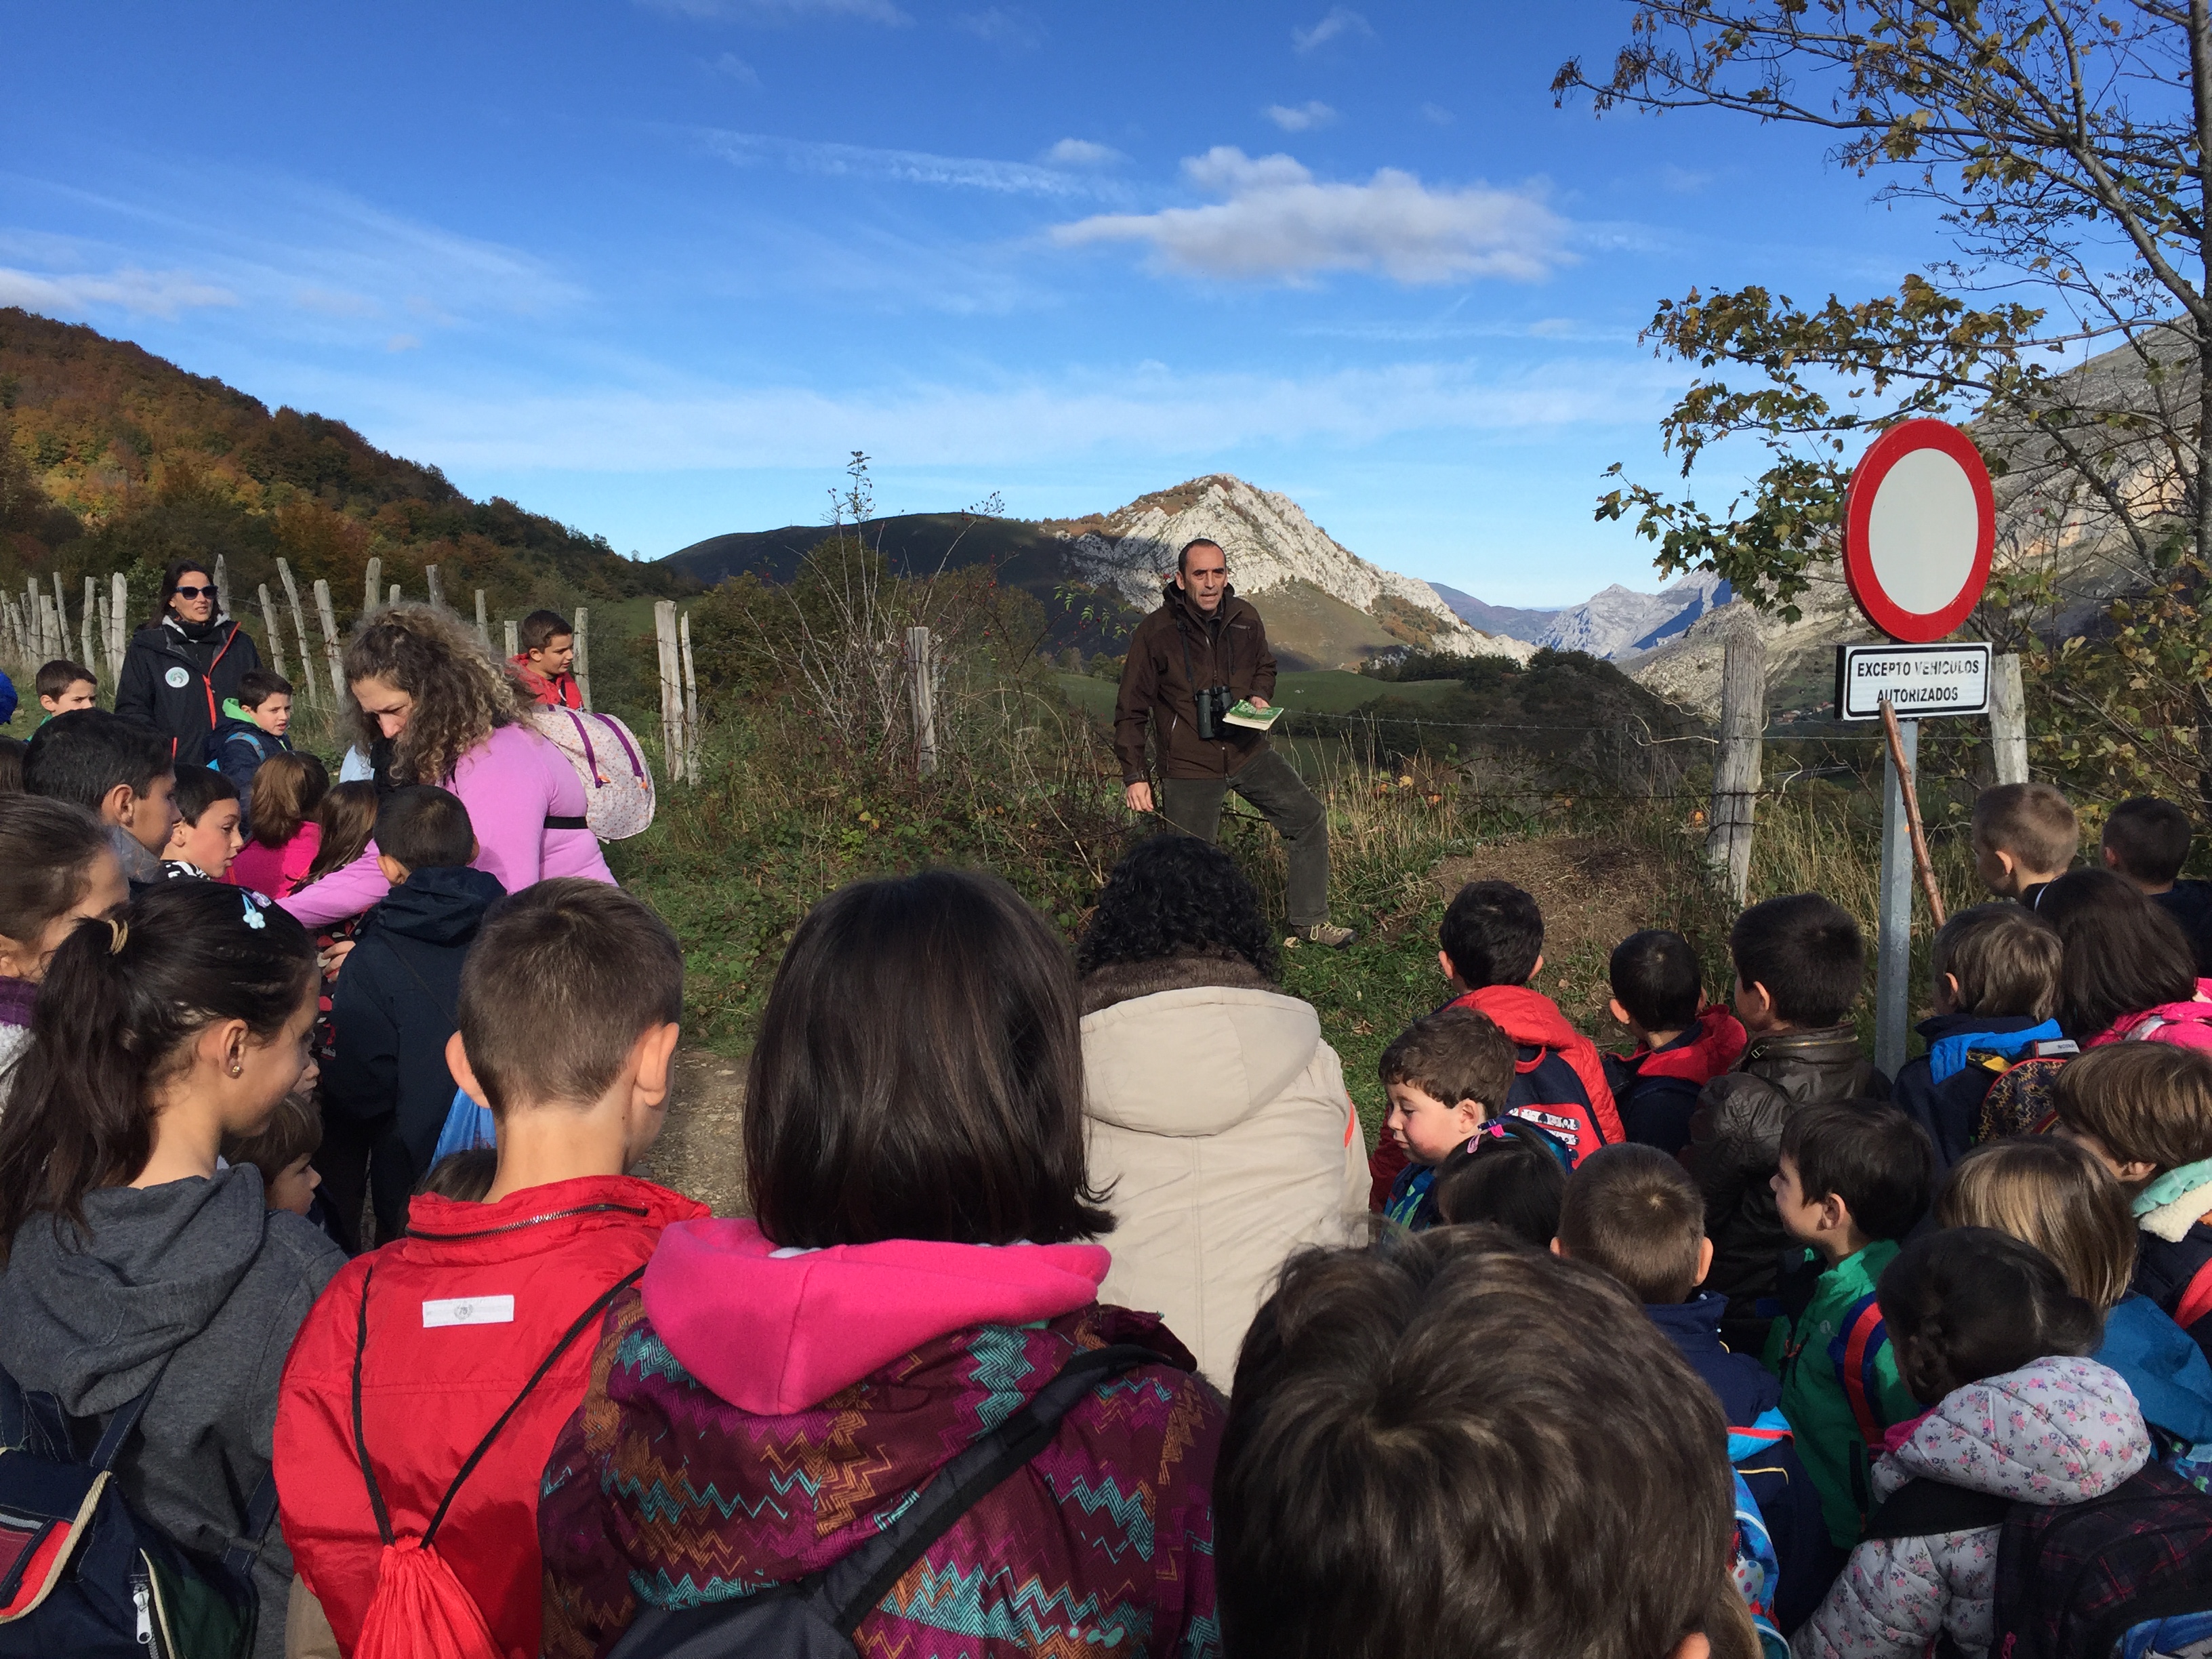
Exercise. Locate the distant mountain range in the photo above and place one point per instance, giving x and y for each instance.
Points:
(1509, 620)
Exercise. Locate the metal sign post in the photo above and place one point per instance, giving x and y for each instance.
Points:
(1919, 532)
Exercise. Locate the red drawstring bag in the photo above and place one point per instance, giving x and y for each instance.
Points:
(420, 1610)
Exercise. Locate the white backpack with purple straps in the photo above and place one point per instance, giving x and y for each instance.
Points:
(619, 795)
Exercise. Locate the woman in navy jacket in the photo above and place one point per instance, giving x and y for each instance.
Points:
(184, 663)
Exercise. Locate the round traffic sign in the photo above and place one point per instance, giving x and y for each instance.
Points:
(1920, 524)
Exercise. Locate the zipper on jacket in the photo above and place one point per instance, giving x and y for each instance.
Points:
(516, 1226)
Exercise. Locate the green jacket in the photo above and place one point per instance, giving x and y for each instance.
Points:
(1839, 1384)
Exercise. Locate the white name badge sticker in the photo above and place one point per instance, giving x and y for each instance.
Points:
(468, 1311)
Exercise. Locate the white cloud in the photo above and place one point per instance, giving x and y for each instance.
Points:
(1341, 21)
(734, 68)
(334, 302)
(1012, 28)
(142, 293)
(1300, 117)
(1081, 152)
(782, 11)
(1682, 181)
(1437, 115)
(897, 165)
(1278, 223)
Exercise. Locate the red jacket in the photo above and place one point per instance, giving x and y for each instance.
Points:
(554, 691)
(1558, 1081)
(430, 1390)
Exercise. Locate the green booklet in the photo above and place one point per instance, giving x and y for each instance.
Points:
(1258, 719)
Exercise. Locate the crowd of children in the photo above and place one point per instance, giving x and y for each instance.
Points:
(1727, 1342)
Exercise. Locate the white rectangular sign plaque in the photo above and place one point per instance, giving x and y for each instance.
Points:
(1919, 680)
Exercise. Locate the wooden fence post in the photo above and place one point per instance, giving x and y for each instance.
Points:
(690, 700)
(89, 622)
(50, 630)
(394, 598)
(431, 576)
(921, 692)
(222, 586)
(61, 620)
(483, 627)
(328, 617)
(514, 640)
(276, 638)
(118, 621)
(671, 687)
(2009, 719)
(375, 585)
(1736, 769)
(299, 628)
(581, 668)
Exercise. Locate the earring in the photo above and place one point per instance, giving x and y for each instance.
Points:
(237, 1069)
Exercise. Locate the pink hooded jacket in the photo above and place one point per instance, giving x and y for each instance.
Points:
(2186, 1024)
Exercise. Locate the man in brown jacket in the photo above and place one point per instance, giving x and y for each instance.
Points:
(1203, 636)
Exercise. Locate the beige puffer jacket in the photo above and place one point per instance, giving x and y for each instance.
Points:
(1220, 1118)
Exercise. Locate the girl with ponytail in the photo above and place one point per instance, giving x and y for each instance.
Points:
(130, 1258)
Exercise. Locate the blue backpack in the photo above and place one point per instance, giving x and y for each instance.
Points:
(1756, 1571)
(81, 1573)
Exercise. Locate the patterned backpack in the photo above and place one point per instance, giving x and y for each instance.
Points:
(618, 793)
(2019, 1100)
(2126, 1574)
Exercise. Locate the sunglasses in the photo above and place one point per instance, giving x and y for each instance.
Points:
(193, 592)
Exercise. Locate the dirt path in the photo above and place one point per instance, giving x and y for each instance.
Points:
(699, 1152)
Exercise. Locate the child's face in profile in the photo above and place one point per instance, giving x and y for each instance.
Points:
(1800, 1218)
(209, 845)
(274, 715)
(77, 694)
(293, 1188)
(1426, 1126)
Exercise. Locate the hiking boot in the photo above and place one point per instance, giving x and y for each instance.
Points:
(1323, 932)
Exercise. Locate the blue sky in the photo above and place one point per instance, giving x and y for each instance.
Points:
(654, 266)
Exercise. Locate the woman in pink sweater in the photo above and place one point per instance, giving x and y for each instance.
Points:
(452, 717)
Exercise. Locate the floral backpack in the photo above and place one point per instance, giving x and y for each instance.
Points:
(618, 794)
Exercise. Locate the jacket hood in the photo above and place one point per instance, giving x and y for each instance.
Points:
(774, 1332)
(1937, 1027)
(445, 1231)
(439, 907)
(1524, 1015)
(159, 1266)
(1194, 1060)
(1702, 1053)
(1696, 1322)
(2059, 1430)
(2187, 1021)
(2162, 1366)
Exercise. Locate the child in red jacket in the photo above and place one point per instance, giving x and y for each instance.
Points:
(1681, 1046)
(1491, 945)
(567, 1019)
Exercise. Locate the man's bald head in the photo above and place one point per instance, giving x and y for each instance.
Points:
(1182, 559)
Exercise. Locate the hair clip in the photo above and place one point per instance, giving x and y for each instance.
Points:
(254, 902)
(117, 933)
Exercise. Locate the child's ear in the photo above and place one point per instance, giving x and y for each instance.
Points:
(1760, 999)
(1835, 1214)
(394, 870)
(1470, 1115)
(1618, 1013)
(1705, 1261)
(178, 833)
(1444, 962)
(2111, 859)
(652, 1056)
(457, 1062)
(1538, 968)
(1558, 1250)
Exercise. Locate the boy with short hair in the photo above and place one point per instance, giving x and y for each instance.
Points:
(1492, 1422)
(393, 1006)
(1633, 1213)
(1444, 1076)
(1996, 968)
(119, 770)
(2025, 837)
(252, 726)
(1680, 1045)
(2147, 841)
(568, 1012)
(284, 1151)
(64, 685)
(1799, 962)
(1490, 946)
(206, 836)
(549, 645)
(1853, 1180)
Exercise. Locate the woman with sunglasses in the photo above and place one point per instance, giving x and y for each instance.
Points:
(184, 663)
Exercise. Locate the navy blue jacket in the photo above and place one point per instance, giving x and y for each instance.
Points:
(2165, 1272)
(1787, 1500)
(238, 748)
(2190, 903)
(1950, 1111)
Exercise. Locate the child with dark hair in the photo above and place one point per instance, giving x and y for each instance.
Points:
(1799, 962)
(394, 1004)
(1990, 1340)
(63, 686)
(548, 640)
(284, 1150)
(2147, 841)
(1633, 1213)
(2128, 971)
(1490, 946)
(206, 836)
(2144, 1111)
(1508, 1173)
(569, 1011)
(252, 727)
(1853, 1181)
(55, 869)
(1445, 1075)
(1995, 969)
(2025, 836)
(132, 1252)
(464, 1177)
(120, 771)
(283, 836)
(1443, 1446)
(1682, 1045)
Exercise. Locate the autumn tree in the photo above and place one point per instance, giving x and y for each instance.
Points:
(2064, 145)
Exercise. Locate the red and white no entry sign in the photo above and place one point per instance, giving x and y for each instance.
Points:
(1920, 523)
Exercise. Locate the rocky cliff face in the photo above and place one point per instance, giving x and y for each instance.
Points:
(1619, 622)
(1271, 544)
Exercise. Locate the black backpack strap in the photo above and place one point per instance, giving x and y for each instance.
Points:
(33, 1422)
(120, 1426)
(584, 1321)
(1924, 1508)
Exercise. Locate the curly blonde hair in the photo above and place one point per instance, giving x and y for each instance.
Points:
(461, 696)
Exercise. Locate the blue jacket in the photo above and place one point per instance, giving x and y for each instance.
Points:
(238, 748)
(7, 700)
(2165, 1371)
(1941, 1092)
(1749, 1393)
